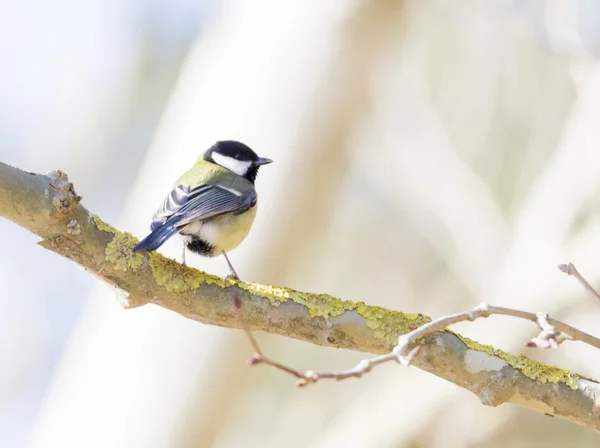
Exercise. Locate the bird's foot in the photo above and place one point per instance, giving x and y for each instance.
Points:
(232, 273)
(231, 276)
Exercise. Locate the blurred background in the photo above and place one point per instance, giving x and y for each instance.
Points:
(430, 155)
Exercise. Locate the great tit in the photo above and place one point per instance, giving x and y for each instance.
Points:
(212, 205)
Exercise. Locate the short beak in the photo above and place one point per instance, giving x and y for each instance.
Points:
(263, 161)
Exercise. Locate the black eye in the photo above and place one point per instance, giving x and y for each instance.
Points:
(237, 157)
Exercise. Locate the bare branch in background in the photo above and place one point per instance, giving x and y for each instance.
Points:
(570, 269)
(48, 206)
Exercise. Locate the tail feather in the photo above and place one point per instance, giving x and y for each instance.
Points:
(157, 237)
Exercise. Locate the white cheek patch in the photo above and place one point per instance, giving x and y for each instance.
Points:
(239, 167)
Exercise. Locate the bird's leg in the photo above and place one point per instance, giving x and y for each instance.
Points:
(232, 273)
(183, 256)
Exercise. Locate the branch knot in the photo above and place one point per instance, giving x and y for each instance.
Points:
(64, 199)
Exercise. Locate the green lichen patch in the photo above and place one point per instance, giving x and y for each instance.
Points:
(322, 305)
(175, 277)
(167, 273)
(118, 252)
(388, 325)
(101, 225)
(274, 294)
(530, 368)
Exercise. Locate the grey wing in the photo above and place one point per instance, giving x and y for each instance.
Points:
(184, 204)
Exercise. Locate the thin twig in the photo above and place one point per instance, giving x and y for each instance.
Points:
(570, 269)
(309, 376)
(553, 333)
(237, 304)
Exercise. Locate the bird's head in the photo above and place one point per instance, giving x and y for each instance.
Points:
(236, 157)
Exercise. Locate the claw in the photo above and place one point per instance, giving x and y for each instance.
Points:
(232, 276)
(232, 273)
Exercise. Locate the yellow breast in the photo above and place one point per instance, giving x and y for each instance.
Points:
(226, 232)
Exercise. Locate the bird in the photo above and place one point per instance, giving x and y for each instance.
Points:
(212, 205)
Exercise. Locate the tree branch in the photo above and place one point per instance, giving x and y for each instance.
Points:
(553, 333)
(48, 206)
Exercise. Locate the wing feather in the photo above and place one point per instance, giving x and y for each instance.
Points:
(184, 204)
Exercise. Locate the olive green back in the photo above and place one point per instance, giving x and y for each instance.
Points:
(206, 173)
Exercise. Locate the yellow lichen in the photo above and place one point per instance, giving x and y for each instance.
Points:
(175, 277)
(321, 305)
(118, 252)
(101, 225)
(274, 294)
(386, 325)
(530, 368)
